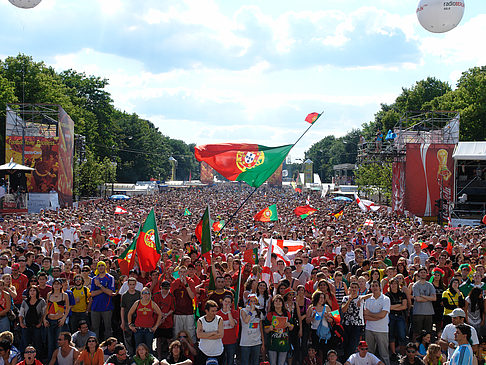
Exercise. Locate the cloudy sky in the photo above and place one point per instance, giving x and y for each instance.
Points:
(209, 71)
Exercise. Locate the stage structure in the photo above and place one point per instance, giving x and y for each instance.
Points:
(420, 150)
(41, 136)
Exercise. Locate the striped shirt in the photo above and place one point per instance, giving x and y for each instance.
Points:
(463, 355)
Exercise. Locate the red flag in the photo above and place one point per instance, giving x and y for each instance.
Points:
(304, 211)
(484, 219)
(198, 231)
(251, 256)
(312, 117)
(450, 244)
(148, 244)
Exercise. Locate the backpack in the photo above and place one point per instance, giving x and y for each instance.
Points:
(337, 335)
(31, 318)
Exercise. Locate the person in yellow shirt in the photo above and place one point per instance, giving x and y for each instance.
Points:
(82, 296)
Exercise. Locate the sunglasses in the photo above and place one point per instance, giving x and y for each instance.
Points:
(30, 352)
(363, 348)
(411, 351)
(146, 292)
(91, 341)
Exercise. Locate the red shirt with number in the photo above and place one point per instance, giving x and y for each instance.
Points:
(166, 305)
(230, 333)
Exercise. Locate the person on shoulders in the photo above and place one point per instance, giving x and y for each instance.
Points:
(363, 357)
(66, 353)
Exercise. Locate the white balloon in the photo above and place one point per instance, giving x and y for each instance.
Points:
(439, 16)
(25, 4)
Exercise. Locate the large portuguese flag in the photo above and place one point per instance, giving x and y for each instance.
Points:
(250, 163)
(267, 215)
(148, 244)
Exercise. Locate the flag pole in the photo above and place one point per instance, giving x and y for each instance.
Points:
(237, 210)
(249, 196)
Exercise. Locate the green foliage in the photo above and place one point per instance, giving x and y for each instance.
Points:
(375, 179)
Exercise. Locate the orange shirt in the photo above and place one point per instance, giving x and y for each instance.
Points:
(89, 359)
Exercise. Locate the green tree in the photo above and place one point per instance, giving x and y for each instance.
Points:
(375, 179)
(469, 99)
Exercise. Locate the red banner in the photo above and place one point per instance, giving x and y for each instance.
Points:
(66, 151)
(429, 171)
(398, 187)
(276, 178)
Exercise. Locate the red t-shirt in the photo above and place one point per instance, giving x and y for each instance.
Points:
(166, 305)
(230, 334)
(183, 302)
(20, 284)
(145, 315)
(43, 292)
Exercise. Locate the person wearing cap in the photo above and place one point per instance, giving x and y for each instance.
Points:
(166, 302)
(363, 357)
(447, 339)
(102, 291)
(463, 354)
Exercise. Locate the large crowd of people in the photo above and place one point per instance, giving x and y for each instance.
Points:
(391, 290)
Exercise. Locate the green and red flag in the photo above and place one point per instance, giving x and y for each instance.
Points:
(267, 215)
(312, 117)
(217, 226)
(187, 212)
(250, 163)
(336, 316)
(251, 256)
(450, 244)
(148, 244)
(206, 244)
(304, 211)
(126, 260)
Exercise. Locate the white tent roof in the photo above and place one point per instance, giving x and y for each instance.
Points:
(470, 151)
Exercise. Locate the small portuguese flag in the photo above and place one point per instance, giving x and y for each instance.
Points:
(312, 117)
(267, 215)
(304, 211)
(217, 226)
(148, 244)
(250, 163)
(206, 244)
(126, 260)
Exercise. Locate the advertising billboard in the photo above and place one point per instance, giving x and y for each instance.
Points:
(40, 153)
(428, 177)
(207, 175)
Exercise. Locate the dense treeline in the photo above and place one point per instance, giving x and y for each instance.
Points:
(139, 149)
(468, 98)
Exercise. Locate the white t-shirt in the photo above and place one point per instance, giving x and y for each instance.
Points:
(376, 306)
(448, 336)
(369, 359)
(69, 234)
